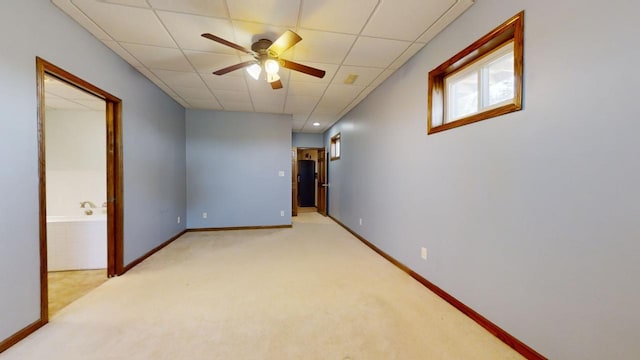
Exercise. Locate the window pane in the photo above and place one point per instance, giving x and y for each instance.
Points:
(463, 96)
(501, 80)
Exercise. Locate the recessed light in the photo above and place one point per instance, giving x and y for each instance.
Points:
(316, 124)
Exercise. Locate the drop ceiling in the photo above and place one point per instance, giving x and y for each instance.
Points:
(367, 38)
(61, 96)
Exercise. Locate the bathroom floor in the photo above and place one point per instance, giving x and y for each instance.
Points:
(66, 287)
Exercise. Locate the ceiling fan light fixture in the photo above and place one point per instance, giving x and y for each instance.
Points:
(266, 57)
(271, 66)
(254, 70)
(271, 77)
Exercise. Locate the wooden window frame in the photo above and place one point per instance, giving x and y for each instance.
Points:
(511, 30)
(336, 141)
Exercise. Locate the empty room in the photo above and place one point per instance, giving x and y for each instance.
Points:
(301, 179)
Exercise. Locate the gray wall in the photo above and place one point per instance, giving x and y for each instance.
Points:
(233, 165)
(307, 140)
(154, 160)
(530, 218)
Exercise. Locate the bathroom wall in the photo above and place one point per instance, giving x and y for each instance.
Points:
(76, 160)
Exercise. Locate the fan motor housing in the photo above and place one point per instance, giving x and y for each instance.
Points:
(261, 46)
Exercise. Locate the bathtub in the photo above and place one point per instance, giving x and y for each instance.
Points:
(76, 242)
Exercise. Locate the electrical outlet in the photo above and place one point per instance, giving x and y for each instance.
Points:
(423, 253)
(204, 215)
(360, 221)
(281, 212)
(178, 220)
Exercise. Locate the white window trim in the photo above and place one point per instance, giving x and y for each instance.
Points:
(476, 67)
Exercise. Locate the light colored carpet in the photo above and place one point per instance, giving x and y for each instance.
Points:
(66, 287)
(310, 292)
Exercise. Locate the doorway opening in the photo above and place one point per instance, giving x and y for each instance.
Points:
(80, 172)
(309, 180)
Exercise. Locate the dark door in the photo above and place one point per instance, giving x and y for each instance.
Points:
(306, 183)
(294, 181)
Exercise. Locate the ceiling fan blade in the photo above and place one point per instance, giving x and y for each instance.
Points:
(235, 67)
(276, 85)
(302, 68)
(283, 43)
(227, 43)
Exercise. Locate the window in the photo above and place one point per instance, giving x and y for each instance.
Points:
(482, 81)
(335, 147)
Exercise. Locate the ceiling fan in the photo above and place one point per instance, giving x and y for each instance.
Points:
(266, 55)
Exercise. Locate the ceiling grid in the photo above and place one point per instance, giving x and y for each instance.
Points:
(367, 38)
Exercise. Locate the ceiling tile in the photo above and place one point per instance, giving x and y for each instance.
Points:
(187, 30)
(179, 78)
(52, 102)
(160, 84)
(329, 108)
(297, 88)
(277, 96)
(364, 94)
(325, 121)
(61, 89)
(93, 104)
(366, 75)
(232, 83)
(125, 23)
(136, 3)
(276, 12)
(336, 98)
(225, 96)
(268, 107)
(297, 126)
(406, 55)
(405, 19)
(202, 93)
(204, 104)
(323, 47)
(159, 58)
(270, 101)
(246, 33)
(237, 106)
(113, 45)
(208, 62)
(330, 70)
(151, 76)
(215, 8)
(375, 52)
(455, 11)
(299, 119)
(303, 105)
(81, 18)
(381, 78)
(183, 103)
(337, 15)
(357, 100)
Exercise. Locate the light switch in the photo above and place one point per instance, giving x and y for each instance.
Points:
(280, 173)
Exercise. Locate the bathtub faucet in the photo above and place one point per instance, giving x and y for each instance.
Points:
(91, 205)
